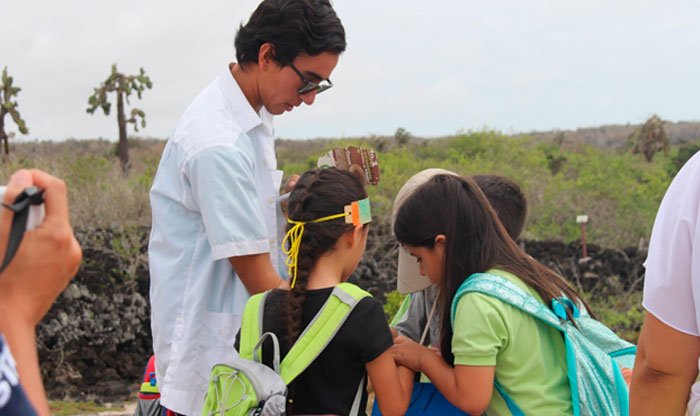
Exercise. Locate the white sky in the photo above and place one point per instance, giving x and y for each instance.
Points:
(432, 67)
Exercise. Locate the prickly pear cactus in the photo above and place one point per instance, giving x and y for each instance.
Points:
(8, 105)
(123, 86)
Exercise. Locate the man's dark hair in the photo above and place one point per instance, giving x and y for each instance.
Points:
(293, 27)
(507, 199)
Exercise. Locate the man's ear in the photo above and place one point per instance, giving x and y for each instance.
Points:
(441, 239)
(266, 55)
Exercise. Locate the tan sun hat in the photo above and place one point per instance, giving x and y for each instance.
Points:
(409, 279)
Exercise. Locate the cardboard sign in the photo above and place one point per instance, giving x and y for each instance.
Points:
(358, 160)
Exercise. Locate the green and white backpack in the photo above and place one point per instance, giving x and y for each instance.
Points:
(246, 386)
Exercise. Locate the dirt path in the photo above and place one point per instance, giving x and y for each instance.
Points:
(128, 410)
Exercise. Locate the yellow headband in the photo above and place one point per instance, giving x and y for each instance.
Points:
(357, 213)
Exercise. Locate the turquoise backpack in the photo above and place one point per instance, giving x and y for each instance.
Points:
(594, 354)
(246, 386)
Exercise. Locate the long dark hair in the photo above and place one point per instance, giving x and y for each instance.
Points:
(476, 242)
(317, 194)
(293, 27)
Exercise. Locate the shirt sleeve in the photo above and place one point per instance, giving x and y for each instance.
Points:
(222, 179)
(480, 330)
(412, 323)
(672, 278)
(371, 329)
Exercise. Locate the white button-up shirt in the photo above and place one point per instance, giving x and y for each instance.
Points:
(213, 197)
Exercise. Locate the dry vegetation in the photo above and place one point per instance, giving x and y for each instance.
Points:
(619, 191)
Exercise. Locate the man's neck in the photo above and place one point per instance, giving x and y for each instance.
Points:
(247, 82)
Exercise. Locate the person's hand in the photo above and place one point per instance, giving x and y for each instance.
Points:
(291, 182)
(394, 333)
(408, 353)
(627, 375)
(48, 256)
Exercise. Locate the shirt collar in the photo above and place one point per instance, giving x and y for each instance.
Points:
(239, 106)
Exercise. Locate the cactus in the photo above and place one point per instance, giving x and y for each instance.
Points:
(123, 85)
(8, 106)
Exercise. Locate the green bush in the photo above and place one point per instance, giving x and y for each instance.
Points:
(624, 315)
(393, 302)
(619, 192)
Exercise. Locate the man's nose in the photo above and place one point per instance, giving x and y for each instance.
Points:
(309, 97)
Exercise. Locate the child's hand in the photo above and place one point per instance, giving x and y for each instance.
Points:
(408, 353)
(394, 333)
(291, 182)
(627, 375)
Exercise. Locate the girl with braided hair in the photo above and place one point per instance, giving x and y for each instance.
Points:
(324, 247)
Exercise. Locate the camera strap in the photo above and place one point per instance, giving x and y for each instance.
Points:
(20, 207)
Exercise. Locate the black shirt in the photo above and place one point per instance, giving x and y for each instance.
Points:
(330, 383)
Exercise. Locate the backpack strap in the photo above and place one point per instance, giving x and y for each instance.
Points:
(319, 333)
(321, 330)
(251, 326)
(508, 292)
(312, 341)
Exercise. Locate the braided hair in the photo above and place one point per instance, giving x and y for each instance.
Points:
(317, 194)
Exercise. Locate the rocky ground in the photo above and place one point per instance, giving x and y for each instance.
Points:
(95, 341)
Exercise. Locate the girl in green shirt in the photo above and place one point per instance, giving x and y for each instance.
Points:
(448, 225)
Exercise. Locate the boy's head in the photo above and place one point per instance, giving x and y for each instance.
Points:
(293, 27)
(293, 46)
(505, 197)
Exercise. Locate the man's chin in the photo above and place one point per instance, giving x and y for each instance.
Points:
(276, 111)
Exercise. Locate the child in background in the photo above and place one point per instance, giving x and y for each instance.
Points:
(324, 250)
(510, 204)
(448, 225)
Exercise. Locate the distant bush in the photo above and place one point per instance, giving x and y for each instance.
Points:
(393, 303)
(624, 315)
(619, 192)
(681, 155)
(100, 196)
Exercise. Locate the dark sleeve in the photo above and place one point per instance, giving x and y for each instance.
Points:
(370, 329)
(237, 344)
(412, 323)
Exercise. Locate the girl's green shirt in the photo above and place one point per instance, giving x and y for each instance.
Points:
(529, 356)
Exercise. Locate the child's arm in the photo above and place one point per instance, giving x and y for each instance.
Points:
(392, 385)
(467, 387)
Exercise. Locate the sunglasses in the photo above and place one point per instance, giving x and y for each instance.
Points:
(310, 86)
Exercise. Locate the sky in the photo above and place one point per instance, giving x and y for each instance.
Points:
(434, 68)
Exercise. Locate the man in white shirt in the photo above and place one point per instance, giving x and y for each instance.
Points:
(214, 238)
(669, 344)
